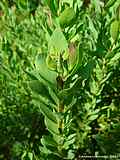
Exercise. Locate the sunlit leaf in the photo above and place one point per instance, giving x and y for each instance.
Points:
(58, 41)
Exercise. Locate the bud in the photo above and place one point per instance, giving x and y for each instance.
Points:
(51, 62)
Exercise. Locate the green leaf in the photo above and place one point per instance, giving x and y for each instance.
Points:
(67, 17)
(65, 93)
(46, 111)
(7, 72)
(110, 3)
(30, 156)
(38, 87)
(69, 141)
(17, 149)
(92, 118)
(48, 141)
(99, 72)
(52, 126)
(43, 70)
(114, 60)
(70, 2)
(118, 14)
(92, 28)
(53, 4)
(54, 96)
(79, 57)
(51, 62)
(94, 87)
(42, 92)
(58, 42)
(48, 101)
(86, 70)
(73, 102)
(114, 29)
(71, 154)
(72, 56)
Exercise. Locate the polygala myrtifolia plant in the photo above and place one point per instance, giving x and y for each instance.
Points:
(74, 82)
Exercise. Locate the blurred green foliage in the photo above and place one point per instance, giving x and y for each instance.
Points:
(59, 84)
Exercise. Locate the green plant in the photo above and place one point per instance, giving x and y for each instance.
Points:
(77, 69)
(60, 72)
